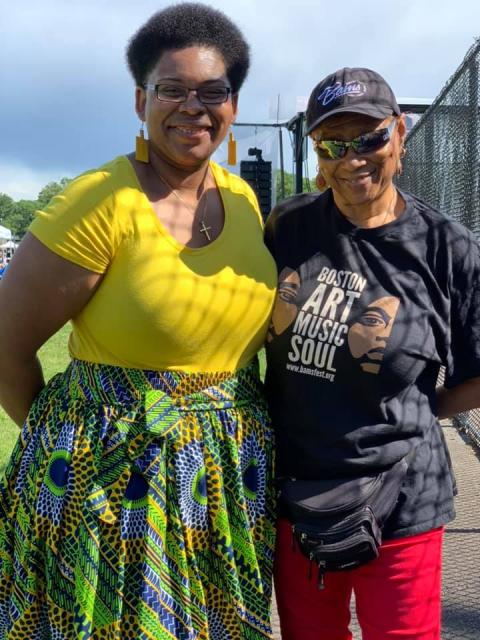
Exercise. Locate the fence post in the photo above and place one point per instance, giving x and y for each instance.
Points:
(427, 189)
(473, 145)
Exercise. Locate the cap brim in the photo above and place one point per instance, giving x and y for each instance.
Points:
(369, 109)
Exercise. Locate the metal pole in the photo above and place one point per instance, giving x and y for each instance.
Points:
(298, 137)
(282, 170)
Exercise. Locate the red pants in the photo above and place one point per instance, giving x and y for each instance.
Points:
(397, 596)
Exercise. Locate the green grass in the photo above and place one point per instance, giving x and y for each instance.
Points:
(54, 358)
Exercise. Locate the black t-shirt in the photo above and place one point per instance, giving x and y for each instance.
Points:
(363, 321)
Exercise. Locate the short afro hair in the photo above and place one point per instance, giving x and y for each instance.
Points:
(189, 24)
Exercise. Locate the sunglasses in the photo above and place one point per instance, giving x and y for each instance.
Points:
(367, 143)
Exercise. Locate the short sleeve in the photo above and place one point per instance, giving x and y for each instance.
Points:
(78, 223)
(464, 356)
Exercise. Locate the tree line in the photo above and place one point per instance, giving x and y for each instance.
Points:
(17, 215)
(289, 182)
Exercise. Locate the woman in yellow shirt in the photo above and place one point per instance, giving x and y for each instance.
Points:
(138, 501)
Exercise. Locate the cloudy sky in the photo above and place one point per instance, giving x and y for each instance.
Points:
(67, 100)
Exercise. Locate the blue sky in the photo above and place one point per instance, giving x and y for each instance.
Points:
(67, 98)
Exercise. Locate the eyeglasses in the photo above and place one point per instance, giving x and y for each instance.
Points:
(367, 143)
(176, 93)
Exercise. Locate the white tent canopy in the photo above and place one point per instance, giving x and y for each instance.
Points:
(5, 234)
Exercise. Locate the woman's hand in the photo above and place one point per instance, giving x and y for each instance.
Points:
(40, 292)
(463, 397)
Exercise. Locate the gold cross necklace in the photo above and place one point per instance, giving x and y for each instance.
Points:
(203, 228)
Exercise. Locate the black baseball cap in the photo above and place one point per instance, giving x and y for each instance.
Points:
(354, 90)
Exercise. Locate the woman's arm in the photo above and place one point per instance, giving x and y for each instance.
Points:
(40, 292)
(458, 399)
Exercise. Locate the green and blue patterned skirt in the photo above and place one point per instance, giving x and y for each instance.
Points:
(139, 505)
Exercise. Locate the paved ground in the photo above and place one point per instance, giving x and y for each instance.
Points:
(461, 578)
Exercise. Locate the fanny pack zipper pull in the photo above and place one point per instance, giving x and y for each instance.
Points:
(321, 575)
(294, 540)
(310, 562)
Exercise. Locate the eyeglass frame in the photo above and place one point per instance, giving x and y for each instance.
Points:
(350, 144)
(154, 87)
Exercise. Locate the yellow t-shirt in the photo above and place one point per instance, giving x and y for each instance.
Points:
(161, 305)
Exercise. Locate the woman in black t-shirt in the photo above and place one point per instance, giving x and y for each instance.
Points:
(376, 292)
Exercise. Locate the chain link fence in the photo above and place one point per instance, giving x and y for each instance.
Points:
(442, 163)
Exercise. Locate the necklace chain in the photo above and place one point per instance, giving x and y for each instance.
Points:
(390, 210)
(391, 207)
(203, 228)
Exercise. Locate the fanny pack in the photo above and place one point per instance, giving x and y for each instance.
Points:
(337, 522)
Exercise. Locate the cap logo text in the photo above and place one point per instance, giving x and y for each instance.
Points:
(337, 90)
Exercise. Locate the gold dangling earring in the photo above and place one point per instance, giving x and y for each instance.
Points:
(141, 147)
(232, 150)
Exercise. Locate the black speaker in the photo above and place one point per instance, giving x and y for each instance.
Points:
(258, 174)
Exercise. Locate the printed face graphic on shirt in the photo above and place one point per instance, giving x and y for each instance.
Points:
(285, 310)
(368, 336)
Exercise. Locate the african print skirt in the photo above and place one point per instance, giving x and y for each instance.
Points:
(139, 505)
